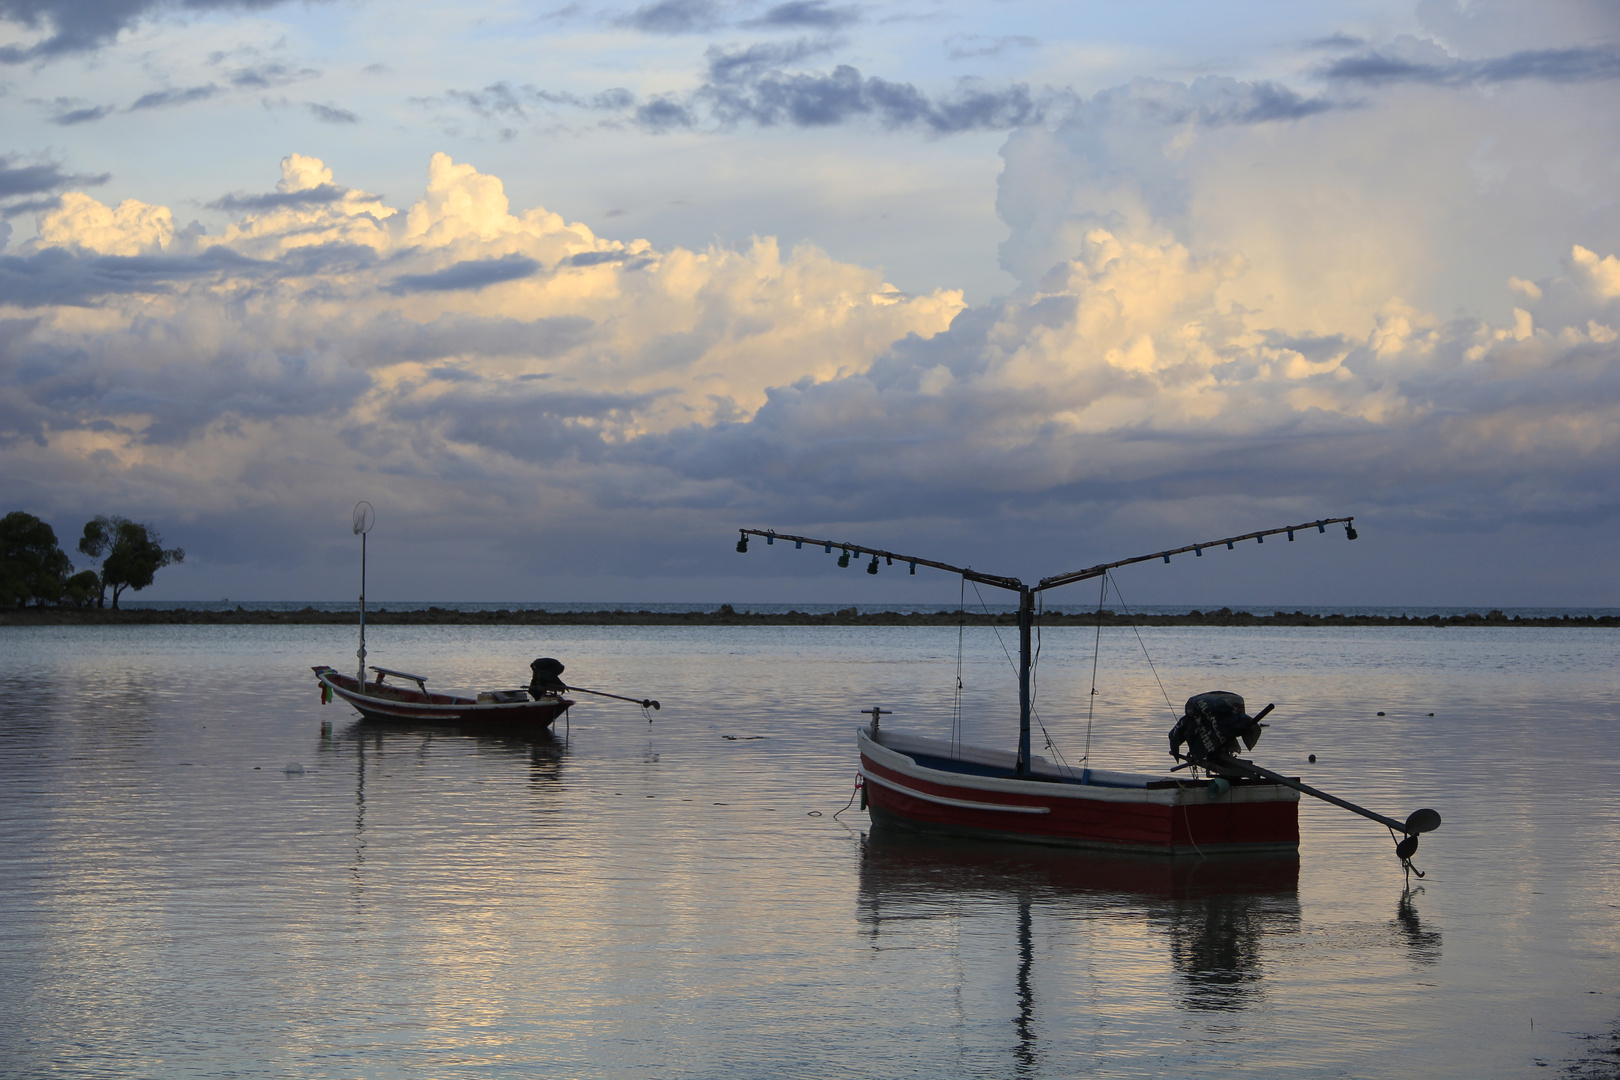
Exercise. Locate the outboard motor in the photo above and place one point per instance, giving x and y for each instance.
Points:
(1212, 725)
(547, 677)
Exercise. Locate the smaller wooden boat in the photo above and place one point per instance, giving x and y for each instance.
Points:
(532, 709)
(528, 710)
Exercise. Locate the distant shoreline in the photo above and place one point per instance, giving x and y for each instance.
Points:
(726, 616)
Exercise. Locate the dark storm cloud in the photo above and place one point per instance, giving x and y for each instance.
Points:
(162, 99)
(55, 276)
(675, 17)
(73, 26)
(807, 14)
(470, 274)
(1573, 65)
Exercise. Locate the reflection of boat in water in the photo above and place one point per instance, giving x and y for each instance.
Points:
(1216, 917)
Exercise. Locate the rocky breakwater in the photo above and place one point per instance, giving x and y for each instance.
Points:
(726, 615)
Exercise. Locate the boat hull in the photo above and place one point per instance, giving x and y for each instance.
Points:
(929, 786)
(384, 703)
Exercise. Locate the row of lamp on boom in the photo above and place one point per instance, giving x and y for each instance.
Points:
(843, 559)
(872, 567)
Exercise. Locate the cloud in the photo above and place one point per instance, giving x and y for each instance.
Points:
(74, 26)
(331, 114)
(1224, 309)
(1569, 65)
(39, 178)
(966, 51)
(267, 75)
(67, 112)
(752, 85)
(163, 99)
(319, 194)
(468, 274)
(806, 14)
(675, 17)
(749, 85)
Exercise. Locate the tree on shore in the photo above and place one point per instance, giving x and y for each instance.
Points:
(131, 554)
(32, 565)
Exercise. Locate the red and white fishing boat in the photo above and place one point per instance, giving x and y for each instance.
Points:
(932, 786)
(1236, 806)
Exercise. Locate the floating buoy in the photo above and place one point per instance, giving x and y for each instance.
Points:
(292, 768)
(1380, 714)
(1312, 759)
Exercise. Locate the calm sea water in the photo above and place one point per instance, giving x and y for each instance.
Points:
(677, 899)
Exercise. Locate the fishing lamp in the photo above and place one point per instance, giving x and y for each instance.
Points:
(913, 566)
(1349, 531)
(828, 548)
(742, 544)
(797, 544)
(1262, 539)
(770, 537)
(843, 560)
(1167, 556)
(872, 568)
(1321, 526)
(1290, 536)
(1198, 551)
(1229, 545)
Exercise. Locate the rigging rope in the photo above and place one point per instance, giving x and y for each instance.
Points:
(956, 707)
(1142, 643)
(1096, 651)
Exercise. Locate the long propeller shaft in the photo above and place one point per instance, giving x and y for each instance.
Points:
(645, 703)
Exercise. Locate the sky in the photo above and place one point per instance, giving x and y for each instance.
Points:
(569, 292)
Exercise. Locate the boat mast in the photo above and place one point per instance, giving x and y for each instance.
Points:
(1026, 618)
(364, 518)
(1026, 593)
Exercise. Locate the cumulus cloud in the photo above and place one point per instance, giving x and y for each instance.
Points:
(1397, 298)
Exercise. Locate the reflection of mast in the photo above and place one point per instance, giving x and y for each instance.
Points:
(1025, 1053)
(359, 806)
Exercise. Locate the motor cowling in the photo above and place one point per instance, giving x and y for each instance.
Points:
(1212, 724)
(547, 677)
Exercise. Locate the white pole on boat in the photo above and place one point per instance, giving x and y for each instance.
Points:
(364, 518)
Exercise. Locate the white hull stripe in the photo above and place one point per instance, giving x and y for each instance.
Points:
(883, 781)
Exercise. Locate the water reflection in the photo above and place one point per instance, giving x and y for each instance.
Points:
(375, 747)
(1422, 946)
(1216, 918)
